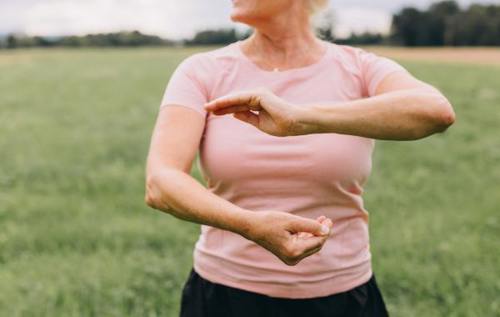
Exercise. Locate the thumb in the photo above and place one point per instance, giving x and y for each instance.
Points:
(309, 225)
(248, 117)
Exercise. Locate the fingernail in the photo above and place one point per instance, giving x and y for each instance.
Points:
(325, 229)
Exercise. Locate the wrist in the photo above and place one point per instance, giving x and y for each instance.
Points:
(245, 223)
(305, 121)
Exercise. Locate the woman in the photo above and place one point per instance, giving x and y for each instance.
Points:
(284, 230)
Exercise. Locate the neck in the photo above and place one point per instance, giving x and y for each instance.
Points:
(284, 37)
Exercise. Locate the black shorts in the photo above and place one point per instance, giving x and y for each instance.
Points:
(202, 298)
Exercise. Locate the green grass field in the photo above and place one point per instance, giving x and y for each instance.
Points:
(76, 238)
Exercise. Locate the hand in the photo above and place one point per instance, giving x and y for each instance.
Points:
(275, 115)
(291, 238)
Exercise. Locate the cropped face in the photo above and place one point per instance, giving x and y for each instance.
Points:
(253, 11)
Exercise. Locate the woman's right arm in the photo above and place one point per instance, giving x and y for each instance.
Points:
(170, 188)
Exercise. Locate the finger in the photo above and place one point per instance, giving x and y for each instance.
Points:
(231, 109)
(321, 218)
(241, 98)
(329, 223)
(311, 251)
(248, 116)
(308, 225)
(310, 243)
(303, 235)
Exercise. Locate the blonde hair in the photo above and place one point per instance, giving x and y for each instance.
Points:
(317, 5)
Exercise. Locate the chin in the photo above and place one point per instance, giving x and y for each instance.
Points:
(248, 11)
(235, 16)
(239, 17)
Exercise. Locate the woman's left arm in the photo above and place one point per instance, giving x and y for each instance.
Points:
(400, 108)
(403, 108)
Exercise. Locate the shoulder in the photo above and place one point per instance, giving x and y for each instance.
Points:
(368, 66)
(364, 62)
(210, 62)
(209, 68)
(355, 57)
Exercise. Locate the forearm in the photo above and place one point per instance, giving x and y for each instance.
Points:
(177, 193)
(399, 115)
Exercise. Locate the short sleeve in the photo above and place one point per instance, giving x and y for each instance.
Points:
(374, 69)
(185, 88)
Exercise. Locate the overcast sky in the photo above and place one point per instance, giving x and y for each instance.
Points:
(174, 19)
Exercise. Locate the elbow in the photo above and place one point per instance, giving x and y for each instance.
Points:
(155, 196)
(152, 193)
(445, 119)
(444, 116)
(149, 199)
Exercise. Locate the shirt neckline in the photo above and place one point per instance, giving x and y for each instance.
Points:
(302, 69)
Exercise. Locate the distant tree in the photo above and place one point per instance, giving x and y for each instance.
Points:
(25, 41)
(438, 16)
(218, 36)
(478, 25)
(365, 38)
(133, 38)
(44, 42)
(245, 34)
(406, 27)
(325, 27)
(125, 38)
(11, 41)
(445, 23)
(72, 41)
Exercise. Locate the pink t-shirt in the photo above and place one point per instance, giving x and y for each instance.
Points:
(307, 175)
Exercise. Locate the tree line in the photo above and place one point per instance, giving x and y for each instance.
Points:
(129, 38)
(445, 23)
(442, 23)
